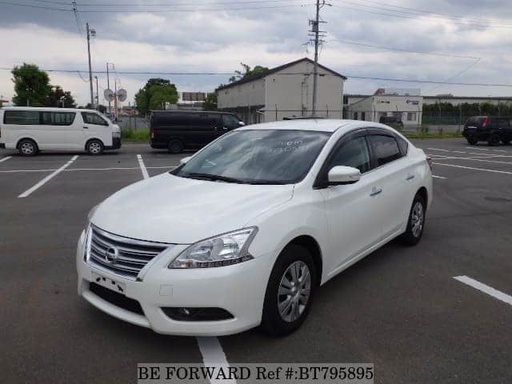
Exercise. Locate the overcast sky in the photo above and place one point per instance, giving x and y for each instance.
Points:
(444, 46)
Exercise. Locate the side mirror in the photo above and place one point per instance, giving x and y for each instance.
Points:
(342, 174)
(185, 160)
(241, 123)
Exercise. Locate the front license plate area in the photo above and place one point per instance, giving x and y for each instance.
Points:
(109, 283)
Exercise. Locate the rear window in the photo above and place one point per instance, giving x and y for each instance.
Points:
(475, 121)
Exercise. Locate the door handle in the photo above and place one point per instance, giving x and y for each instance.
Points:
(411, 176)
(86, 127)
(375, 191)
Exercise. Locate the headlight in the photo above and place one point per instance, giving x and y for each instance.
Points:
(219, 251)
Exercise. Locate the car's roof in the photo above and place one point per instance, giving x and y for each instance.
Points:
(318, 125)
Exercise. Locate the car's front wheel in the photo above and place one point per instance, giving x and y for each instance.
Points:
(415, 222)
(494, 140)
(94, 147)
(289, 291)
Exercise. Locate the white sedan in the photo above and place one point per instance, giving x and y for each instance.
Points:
(242, 233)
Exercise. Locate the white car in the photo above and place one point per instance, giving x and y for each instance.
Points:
(242, 233)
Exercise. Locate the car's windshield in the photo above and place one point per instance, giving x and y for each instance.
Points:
(257, 157)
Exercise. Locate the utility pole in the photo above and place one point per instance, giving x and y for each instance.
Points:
(90, 32)
(97, 94)
(316, 33)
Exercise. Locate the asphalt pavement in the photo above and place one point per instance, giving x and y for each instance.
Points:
(415, 313)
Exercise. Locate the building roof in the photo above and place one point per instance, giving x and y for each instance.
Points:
(275, 70)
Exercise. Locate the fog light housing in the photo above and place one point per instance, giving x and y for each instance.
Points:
(197, 314)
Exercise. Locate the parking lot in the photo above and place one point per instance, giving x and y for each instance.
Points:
(440, 312)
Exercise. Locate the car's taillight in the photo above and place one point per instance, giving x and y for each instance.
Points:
(152, 131)
(485, 121)
(429, 161)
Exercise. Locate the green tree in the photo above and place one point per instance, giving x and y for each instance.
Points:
(59, 98)
(248, 72)
(210, 103)
(31, 85)
(155, 94)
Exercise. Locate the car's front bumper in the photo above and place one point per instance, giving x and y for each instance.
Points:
(238, 289)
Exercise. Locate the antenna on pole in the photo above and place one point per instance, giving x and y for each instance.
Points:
(317, 34)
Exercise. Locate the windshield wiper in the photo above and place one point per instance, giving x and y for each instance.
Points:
(210, 177)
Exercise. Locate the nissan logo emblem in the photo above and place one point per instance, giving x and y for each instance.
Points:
(111, 255)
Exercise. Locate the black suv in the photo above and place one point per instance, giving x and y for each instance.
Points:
(177, 130)
(492, 129)
(392, 121)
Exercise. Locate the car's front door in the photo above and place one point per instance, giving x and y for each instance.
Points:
(352, 211)
(95, 126)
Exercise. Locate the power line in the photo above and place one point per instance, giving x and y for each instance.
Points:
(36, 6)
(414, 14)
(282, 73)
(404, 50)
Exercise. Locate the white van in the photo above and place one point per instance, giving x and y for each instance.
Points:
(33, 129)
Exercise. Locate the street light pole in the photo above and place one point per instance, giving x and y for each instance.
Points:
(90, 32)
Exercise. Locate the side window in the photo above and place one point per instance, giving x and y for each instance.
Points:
(92, 118)
(385, 149)
(58, 118)
(230, 121)
(21, 117)
(354, 153)
(503, 123)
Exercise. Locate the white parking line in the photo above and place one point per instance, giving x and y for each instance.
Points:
(473, 168)
(439, 177)
(47, 178)
(5, 159)
(213, 355)
(143, 167)
(486, 149)
(438, 149)
(485, 289)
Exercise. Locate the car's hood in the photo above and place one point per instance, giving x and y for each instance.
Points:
(173, 209)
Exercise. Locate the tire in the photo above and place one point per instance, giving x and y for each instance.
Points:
(27, 147)
(415, 222)
(471, 140)
(293, 281)
(94, 147)
(493, 140)
(175, 146)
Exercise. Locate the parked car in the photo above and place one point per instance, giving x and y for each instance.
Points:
(392, 121)
(244, 232)
(179, 130)
(32, 129)
(492, 129)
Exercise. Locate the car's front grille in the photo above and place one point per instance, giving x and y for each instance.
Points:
(121, 255)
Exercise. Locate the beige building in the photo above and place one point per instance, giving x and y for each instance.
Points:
(284, 91)
(404, 104)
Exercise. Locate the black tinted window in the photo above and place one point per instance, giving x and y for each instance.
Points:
(92, 118)
(385, 149)
(352, 154)
(21, 117)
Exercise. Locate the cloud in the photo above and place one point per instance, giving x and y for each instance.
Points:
(437, 41)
